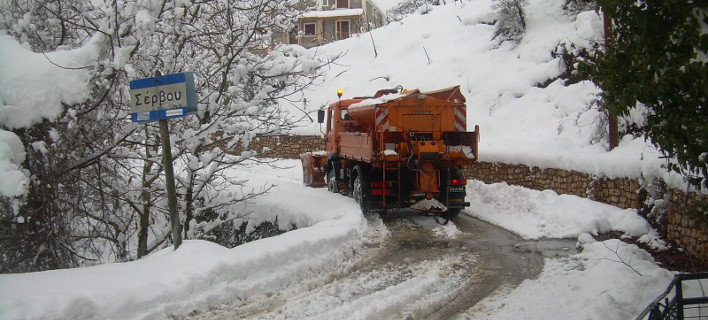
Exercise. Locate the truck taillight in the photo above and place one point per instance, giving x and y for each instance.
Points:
(381, 188)
(458, 182)
(381, 184)
(381, 192)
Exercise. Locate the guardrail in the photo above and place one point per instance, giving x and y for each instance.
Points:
(679, 307)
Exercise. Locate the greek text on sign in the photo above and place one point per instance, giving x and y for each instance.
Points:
(162, 97)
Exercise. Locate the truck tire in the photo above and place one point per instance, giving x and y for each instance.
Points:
(332, 181)
(360, 190)
(451, 213)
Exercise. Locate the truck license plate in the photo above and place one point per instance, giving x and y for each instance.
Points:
(457, 189)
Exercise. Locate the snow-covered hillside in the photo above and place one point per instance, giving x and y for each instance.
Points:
(526, 115)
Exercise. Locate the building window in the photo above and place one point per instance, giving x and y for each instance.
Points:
(342, 4)
(309, 28)
(342, 29)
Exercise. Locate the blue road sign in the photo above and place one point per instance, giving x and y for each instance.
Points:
(164, 97)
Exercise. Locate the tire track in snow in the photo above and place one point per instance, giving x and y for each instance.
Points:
(409, 268)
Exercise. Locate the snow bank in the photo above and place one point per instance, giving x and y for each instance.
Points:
(536, 214)
(608, 280)
(199, 275)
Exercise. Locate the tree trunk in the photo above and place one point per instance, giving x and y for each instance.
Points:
(613, 128)
(146, 199)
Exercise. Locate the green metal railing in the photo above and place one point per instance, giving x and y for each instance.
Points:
(678, 307)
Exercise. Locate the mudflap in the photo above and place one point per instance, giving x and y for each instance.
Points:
(314, 169)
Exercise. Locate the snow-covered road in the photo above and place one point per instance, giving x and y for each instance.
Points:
(412, 268)
(338, 264)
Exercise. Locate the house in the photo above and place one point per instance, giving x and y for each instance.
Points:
(331, 20)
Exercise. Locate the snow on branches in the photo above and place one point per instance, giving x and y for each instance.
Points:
(97, 180)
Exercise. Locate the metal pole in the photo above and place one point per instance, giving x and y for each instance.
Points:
(170, 183)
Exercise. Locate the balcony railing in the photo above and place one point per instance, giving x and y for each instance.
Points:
(680, 307)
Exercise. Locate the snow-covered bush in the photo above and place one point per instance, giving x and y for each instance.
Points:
(406, 7)
(576, 6)
(510, 17)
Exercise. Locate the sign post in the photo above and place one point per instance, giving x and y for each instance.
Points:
(170, 183)
(158, 99)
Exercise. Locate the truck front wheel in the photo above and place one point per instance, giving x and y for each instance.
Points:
(360, 191)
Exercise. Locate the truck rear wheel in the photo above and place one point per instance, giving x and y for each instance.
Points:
(360, 190)
(451, 213)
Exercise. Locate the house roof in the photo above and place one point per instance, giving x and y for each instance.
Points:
(333, 13)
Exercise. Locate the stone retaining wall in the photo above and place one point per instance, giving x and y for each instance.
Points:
(625, 193)
(679, 225)
(688, 231)
(622, 192)
(283, 146)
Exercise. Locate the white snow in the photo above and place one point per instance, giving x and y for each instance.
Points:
(379, 100)
(33, 87)
(521, 122)
(333, 13)
(594, 284)
(201, 275)
(12, 153)
(536, 214)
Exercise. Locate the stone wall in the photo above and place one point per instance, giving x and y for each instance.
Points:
(622, 192)
(283, 146)
(625, 193)
(688, 231)
(680, 226)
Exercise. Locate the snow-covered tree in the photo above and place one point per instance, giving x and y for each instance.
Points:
(655, 65)
(96, 191)
(406, 7)
(510, 20)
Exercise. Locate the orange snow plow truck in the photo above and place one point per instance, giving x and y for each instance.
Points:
(397, 149)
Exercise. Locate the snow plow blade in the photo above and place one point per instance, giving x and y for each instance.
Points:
(314, 167)
(429, 205)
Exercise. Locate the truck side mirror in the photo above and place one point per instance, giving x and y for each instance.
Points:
(320, 116)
